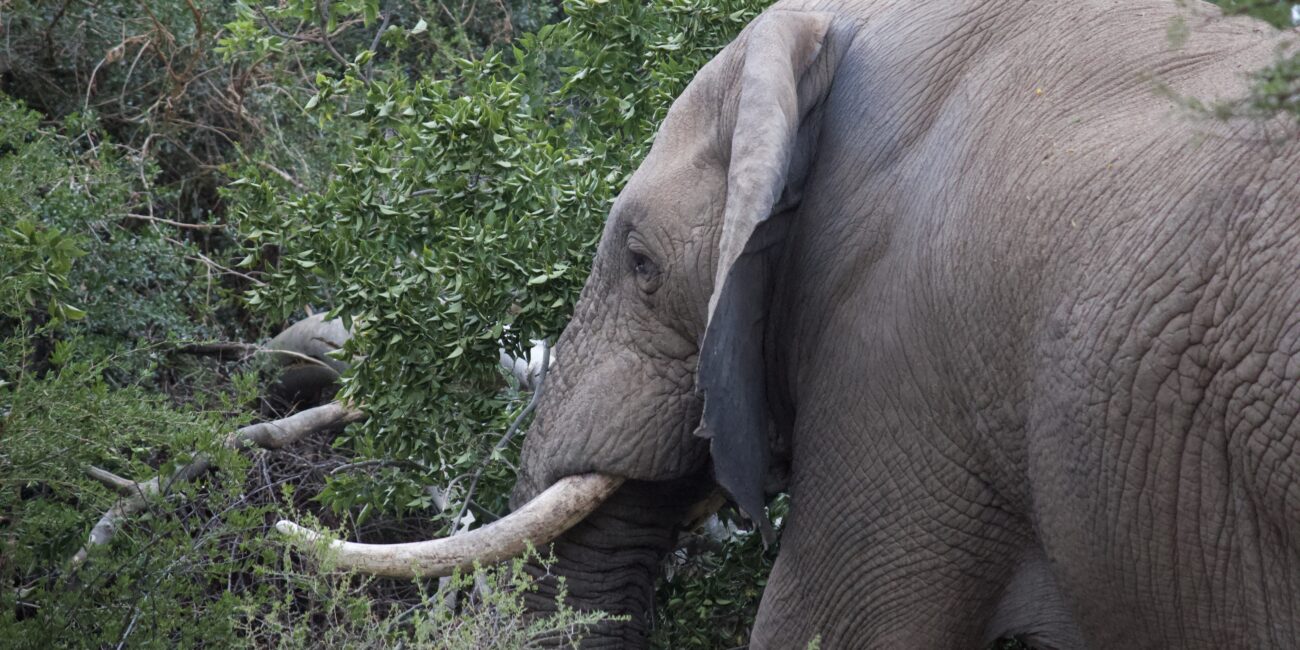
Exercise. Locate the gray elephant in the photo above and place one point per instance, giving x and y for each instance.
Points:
(1019, 337)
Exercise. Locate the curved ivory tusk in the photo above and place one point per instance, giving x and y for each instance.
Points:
(539, 521)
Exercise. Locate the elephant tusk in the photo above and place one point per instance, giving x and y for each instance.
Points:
(538, 522)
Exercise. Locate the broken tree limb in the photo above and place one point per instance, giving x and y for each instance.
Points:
(278, 433)
(228, 349)
(266, 435)
(123, 486)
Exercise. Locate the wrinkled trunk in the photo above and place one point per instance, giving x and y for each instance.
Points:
(610, 560)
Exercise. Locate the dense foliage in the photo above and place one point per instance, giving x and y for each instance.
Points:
(197, 171)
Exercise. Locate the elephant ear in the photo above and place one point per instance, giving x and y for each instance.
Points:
(779, 86)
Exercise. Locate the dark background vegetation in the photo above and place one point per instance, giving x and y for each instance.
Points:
(180, 173)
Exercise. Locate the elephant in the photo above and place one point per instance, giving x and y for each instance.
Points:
(1017, 332)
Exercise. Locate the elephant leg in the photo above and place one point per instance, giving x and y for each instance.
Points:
(913, 550)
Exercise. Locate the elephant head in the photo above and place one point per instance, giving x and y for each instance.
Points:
(659, 382)
(662, 368)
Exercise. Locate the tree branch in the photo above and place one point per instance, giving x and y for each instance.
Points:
(170, 222)
(322, 16)
(123, 486)
(374, 45)
(323, 40)
(267, 435)
(222, 348)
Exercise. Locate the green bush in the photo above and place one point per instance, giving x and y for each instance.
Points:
(83, 287)
(1278, 12)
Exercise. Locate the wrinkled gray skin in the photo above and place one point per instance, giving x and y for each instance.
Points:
(1020, 338)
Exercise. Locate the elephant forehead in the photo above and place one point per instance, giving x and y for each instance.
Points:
(684, 196)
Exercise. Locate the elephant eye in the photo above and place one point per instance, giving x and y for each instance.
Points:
(648, 277)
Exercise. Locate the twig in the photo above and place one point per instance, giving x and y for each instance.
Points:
(282, 174)
(276, 31)
(130, 72)
(374, 462)
(501, 444)
(509, 24)
(90, 86)
(135, 616)
(49, 43)
(216, 267)
(220, 348)
(374, 45)
(323, 40)
(266, 435)
(322, 17)
(178, 224)
(505, 438)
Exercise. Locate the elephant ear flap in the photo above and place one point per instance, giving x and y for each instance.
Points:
(767, 160)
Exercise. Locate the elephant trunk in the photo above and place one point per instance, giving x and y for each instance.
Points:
(611, 559)
(537, 522)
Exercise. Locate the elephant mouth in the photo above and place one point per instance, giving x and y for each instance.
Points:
(538, 522)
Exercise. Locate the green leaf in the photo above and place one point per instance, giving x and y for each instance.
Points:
(71, 313)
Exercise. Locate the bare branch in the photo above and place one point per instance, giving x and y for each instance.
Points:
(282, 174)
(376, 462)
(222, 348)
(123, 486)
(267, 435)
(374, 45)
(279, 433)
(178, 224)
(322, 16)
(200, 257)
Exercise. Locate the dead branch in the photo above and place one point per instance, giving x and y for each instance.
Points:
(229, 348)
(123, 486)
(221, 349)
(266, 435)
(178, 224)
(278, 433)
